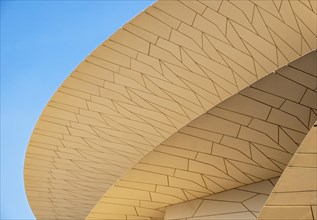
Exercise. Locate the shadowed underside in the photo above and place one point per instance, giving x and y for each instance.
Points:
(159, 114)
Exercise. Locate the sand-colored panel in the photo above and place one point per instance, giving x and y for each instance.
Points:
(294, 196)
(217, 159)
(165, 68)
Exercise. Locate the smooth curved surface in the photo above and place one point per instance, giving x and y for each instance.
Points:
(166, 67)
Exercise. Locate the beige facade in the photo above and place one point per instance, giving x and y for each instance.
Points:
(244, 203)
(179, 105)
(295, 195)
(249, 137)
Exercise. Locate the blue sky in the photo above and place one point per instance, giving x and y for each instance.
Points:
(41, 43)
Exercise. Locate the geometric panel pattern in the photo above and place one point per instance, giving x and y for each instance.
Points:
(241, 203)
(169, 65)
(249, 137)
(295, 194)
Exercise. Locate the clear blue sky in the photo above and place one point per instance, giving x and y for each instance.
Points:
(41, 43)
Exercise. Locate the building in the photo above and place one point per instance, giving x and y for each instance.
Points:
(192, 110)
